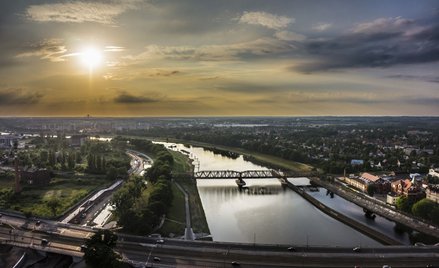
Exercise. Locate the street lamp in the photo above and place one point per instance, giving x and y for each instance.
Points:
(149, 255)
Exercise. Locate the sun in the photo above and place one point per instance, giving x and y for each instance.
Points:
(91, 58)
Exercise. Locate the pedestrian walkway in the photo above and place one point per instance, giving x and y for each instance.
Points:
(188, 232)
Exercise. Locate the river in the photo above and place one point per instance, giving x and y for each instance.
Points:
(265, 213)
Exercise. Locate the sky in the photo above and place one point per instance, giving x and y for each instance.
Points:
(219, 58)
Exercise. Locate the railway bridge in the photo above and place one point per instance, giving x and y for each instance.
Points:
(239, 176)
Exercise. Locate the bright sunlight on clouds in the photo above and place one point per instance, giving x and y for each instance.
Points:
(206, 57)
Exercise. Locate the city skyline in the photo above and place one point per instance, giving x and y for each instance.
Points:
(207, 58)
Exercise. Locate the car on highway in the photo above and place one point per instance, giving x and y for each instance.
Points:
(235, 263)
(156, 259)
(44, 242)
(160, 241)
(83, 248)
(356, 249)
(291, 249)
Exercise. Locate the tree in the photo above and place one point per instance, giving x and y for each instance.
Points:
(71, 160)
(53, 203)
(423, 208)
(44, 156)
(434, 215)
(99, 251)
(371, 189)
(402, 203)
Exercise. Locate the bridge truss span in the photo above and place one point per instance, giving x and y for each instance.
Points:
(247, 174)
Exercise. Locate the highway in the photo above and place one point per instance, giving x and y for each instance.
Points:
(140, 251)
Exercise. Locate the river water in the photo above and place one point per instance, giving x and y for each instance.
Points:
(265, 213)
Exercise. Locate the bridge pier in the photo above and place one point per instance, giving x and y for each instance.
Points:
(240, 182)
(369, 214)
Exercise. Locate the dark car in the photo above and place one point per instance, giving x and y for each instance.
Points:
(156, 259)
(356, 249)
(291, 249)
(235, 263)
(44, 242)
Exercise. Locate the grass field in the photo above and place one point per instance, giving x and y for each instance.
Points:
(68, 191)
(198, 218)
(176, 218)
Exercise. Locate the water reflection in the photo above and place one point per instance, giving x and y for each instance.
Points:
(264, 212)
(281, 217)
(355, 212)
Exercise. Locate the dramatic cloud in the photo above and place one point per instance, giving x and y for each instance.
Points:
(320, 27)
(128, 98)
(52, 49)
(165, 73)
(79, 11)
(237, 51)
(218, 57)
(18, 97)
(265, 19)
(383, 25)
(114, 49)
(380, 43)
(432, 79)
(289, 36)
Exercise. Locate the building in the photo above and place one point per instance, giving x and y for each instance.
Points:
(78, 140)
(433, 192)
(369, 178)
(366, 179)
(357, 162)
(8, 141)
(433, 173)
(34, 176)
(356, 182)
(406, 188)
(391, 198)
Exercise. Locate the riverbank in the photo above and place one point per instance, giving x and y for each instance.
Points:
(183, 165)
(287, 164)
(378, 236)
(378, 208)
(257, 158)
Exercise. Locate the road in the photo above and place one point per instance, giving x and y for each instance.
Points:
(66, 239)
(139, 162)
(100, 210)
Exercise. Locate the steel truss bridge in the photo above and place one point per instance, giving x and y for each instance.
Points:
(247, 174)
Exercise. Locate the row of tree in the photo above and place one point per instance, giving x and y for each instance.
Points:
(424, 208)
(138, 212)
(329, 147)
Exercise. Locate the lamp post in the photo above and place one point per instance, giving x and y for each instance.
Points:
(149, 255)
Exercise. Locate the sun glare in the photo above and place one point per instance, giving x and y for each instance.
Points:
(91, 58)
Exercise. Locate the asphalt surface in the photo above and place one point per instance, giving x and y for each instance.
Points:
(178, 253)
